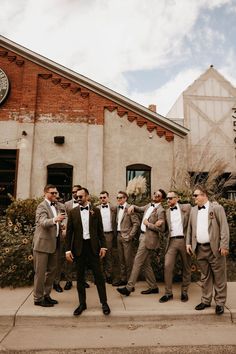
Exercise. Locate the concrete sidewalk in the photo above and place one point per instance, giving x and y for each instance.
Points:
(138, 319)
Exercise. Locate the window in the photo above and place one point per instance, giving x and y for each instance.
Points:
(60, 174)
(139, 170)
(8, 176)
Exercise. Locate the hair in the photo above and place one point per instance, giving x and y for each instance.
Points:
(175, 193)
(201, 188)
(124, 194)
(49, 186)
(85, 190)
(104, 192)
(77, 186)
(163, 193)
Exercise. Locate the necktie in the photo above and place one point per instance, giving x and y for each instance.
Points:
(121, 206)
(104, 206)
(84, 208)
(153, 205)
(175, 207)
(52, 203)
(201, 207)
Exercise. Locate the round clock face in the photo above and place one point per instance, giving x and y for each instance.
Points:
(4, 85)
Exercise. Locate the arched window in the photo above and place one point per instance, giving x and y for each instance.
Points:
(60, 174)
(139, 170)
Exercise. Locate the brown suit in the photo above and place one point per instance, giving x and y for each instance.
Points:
(109, 236)
(86, 251)
(148, 241)
(212, 264)
(177, 246)
(128, 228)
(45, 244)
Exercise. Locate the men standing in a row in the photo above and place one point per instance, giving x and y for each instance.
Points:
(108, 213)
(127, 227)
(148, 240)
(177, 216)
(85, 242)
(45, 245)
(208, 236)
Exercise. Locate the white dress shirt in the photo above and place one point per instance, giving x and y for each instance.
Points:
(146, 216)
(120, 215)
(85, 222)
(176, 222)
(202, 233)
(106, 218)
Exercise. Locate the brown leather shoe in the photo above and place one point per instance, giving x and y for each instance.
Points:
(150, 291)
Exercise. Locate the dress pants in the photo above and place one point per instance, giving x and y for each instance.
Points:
(125, 254)
(107, 260)
(213, 269)
(142, 260)
(45, 265)
(87, 257)
(177, 246)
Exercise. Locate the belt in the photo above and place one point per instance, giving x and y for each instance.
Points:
(203, 244)
(178, 237)
(107, 232)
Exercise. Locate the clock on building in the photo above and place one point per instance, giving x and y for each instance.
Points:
(4, 85)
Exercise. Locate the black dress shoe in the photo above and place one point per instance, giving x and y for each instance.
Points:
(68, 285)
(219, 310)
(120, 283)
(184, 297)
(166, 298)
(106, 309)
(49, 300)
(150, 291)
(86, 285)
(124, 291)
(58, 288)
(80, 309)
(202, 306)
(43, 303)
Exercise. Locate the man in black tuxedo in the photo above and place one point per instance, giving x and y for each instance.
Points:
(86, 244)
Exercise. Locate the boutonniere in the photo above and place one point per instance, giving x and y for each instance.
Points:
(126, 210)
(211, 215)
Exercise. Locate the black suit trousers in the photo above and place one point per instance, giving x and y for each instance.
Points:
(86, 258)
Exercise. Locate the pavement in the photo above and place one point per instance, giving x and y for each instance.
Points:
(137, 324)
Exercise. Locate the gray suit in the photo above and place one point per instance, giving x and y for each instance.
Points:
(128, 228)
(148, 241)
(109, 236)
(177, 246)
(212, 264)
(45, 243)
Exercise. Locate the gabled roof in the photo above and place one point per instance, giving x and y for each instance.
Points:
(149, 117)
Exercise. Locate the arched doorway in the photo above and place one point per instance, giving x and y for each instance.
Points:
(61, 174)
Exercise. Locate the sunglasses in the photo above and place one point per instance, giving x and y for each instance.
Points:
(170, 198)
(52, 193)
(119, 198)
(103, 197)
(80, 196)
(157, 195)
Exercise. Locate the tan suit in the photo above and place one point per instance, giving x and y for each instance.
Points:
(212, 264)
(45, 244)
(177, 245)
(128, 228)
(148, 241)
(109, 236)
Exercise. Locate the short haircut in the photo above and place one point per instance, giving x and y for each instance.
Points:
(124, 194)
(201, 188)
(104, 192)
(49, 186)
(175, 193)
(163, 193)
(85, 190)
(77, 186)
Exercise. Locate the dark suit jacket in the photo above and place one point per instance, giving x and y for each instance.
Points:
(74, 232)
(185, 212)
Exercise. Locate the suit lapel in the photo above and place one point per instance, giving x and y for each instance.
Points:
(49, 209)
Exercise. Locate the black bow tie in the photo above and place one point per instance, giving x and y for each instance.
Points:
(53, 203)
(84, 208)
(76, 201)
(121, 206)
(104, 206)
(153, 205)
(175, 207)
(201, 207)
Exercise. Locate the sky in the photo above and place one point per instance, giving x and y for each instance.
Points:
(147, 50)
